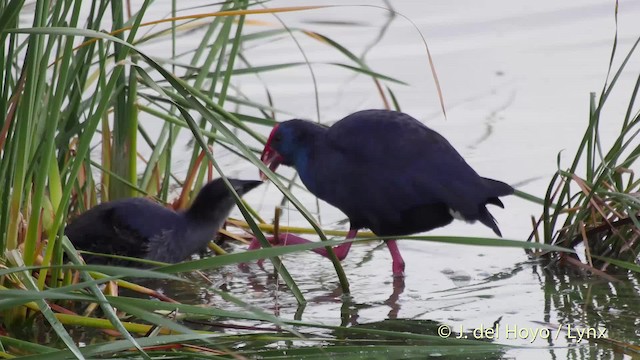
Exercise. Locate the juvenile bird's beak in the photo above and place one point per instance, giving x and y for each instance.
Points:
(245, 186)
(270, 158)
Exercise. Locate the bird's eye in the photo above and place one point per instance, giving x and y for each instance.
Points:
(277, 138)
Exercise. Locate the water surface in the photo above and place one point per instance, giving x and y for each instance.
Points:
(516, 78)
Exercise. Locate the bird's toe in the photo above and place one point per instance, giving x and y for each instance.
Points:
(398, 268)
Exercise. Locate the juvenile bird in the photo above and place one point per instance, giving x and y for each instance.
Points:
(137, 227)
(387, 172)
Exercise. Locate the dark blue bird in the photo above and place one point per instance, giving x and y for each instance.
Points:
(137, 227)
(387, 172)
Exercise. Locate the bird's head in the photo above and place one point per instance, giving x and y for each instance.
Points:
(288, 143)
(215, 199)
(216, 190)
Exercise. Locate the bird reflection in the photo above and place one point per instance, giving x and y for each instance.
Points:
(329, 293)
(392, 301)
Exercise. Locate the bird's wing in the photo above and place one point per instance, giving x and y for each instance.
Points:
(91, 231)
(402, 163)
(139, 222)
(122, 227)
(160, 248)
(144, 216)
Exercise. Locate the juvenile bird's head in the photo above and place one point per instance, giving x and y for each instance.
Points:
(289, 143)
(215, 200)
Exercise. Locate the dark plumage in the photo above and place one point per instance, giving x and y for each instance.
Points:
(387, 172)
(137, 227)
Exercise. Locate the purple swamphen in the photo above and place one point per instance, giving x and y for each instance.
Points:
(387, 172)
(137, 227)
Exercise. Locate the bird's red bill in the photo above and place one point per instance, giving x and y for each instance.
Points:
(269, 156)
(272, 159)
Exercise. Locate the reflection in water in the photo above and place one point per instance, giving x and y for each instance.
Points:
(593, 304)
(323, 287)
(550, 298)
(392, 301)
(348, 312)
(349, 308)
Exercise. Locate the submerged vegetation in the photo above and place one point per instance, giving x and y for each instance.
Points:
(92, 115)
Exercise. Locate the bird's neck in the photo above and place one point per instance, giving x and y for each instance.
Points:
(307, 153)
(305, 164)
(204, 211)
(203, 222)
(196, 236)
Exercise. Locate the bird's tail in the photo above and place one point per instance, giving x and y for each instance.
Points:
(495, 189)
(486, 218)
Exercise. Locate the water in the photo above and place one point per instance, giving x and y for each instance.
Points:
(516, 78)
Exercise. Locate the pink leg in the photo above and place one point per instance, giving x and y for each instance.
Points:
(341, 251)
(398, 262)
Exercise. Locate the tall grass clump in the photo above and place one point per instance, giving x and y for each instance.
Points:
(596, 201)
